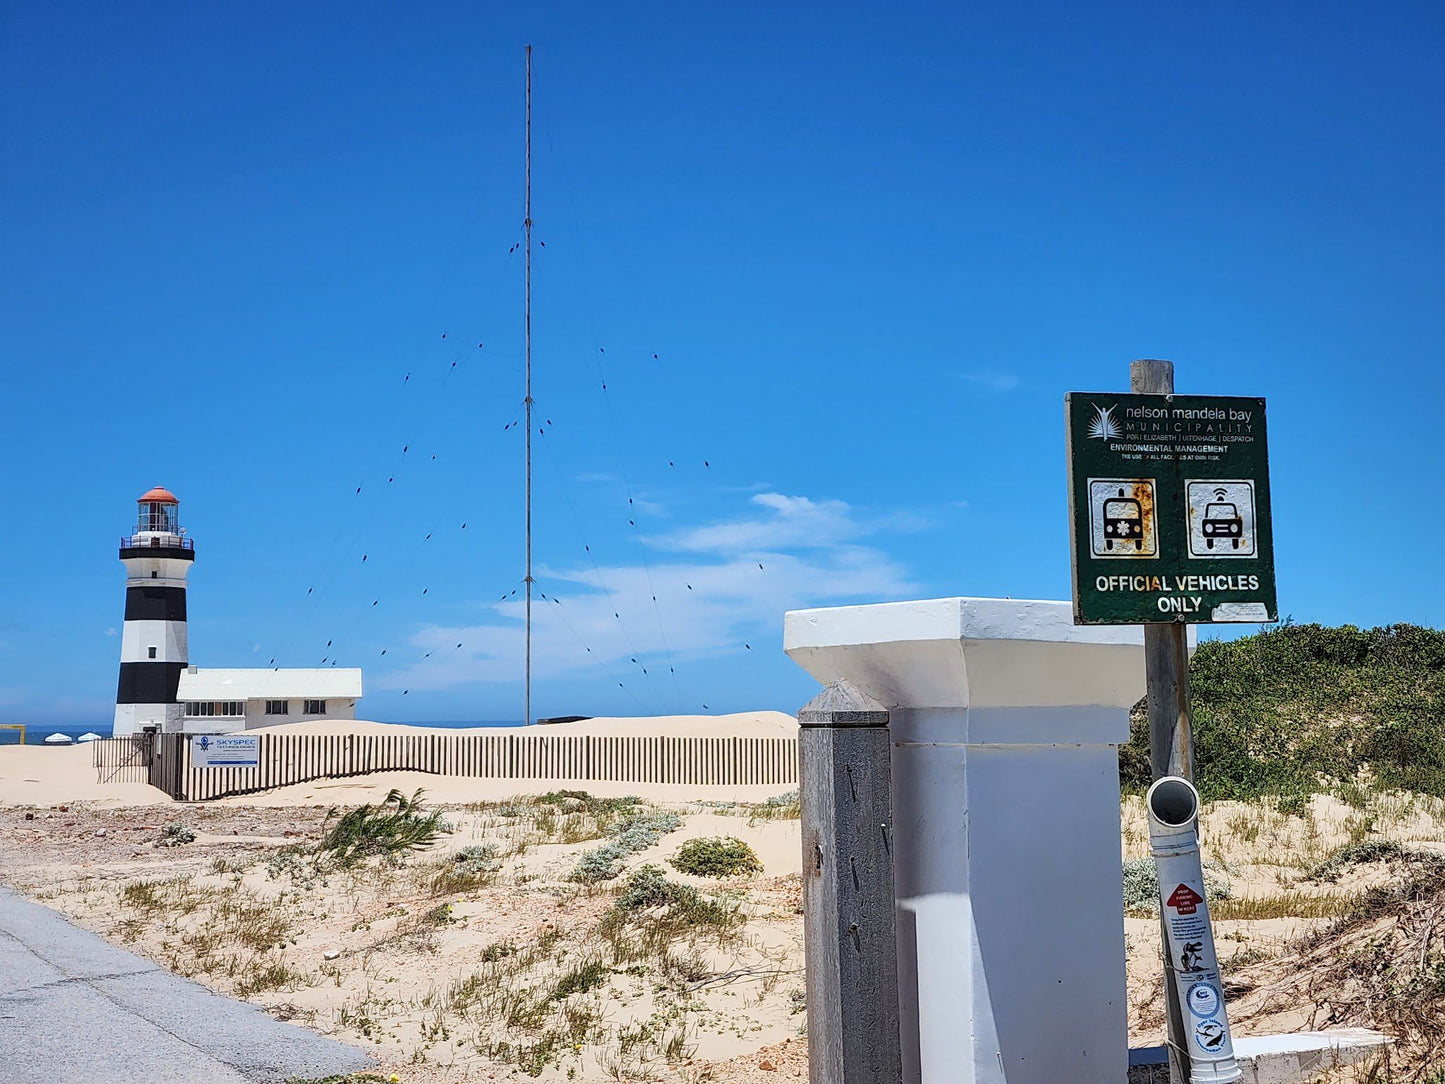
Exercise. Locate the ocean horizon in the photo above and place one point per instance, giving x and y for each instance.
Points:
(36, 733)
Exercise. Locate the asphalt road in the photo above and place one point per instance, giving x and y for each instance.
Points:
(76, 1010)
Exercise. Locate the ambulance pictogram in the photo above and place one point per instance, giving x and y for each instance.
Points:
(1122, 519)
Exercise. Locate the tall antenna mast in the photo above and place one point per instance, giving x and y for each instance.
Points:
(527, 224)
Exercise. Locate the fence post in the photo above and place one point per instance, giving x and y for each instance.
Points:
(848, 898)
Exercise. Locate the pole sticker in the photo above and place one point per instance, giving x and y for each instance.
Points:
(1185, 900)
(1203, 999)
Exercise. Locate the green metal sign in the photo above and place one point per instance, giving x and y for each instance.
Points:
(1169, 507)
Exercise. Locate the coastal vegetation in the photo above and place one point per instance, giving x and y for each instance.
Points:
(1297, 710)
(719, 856)
(399, 824)
(566, 935)
(459, 937)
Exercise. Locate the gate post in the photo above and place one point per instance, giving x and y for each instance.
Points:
(1005, 720)
(848, 930)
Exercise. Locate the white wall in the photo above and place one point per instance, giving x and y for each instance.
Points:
(167, 637)
(335, 709)
(169, 571)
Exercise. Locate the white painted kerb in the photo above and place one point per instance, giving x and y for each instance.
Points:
(1006, 722)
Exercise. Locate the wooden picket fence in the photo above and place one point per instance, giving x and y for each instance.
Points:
(164, 760)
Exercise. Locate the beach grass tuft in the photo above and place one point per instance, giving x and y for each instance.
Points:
(393, 828)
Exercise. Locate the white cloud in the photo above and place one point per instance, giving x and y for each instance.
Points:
(721, 585)
(110, 632)
(787, 523)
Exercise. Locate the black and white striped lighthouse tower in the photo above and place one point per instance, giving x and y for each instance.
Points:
(157, 558)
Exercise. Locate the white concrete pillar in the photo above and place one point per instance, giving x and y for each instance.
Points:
(1006, 724)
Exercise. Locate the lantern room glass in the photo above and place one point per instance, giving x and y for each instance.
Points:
(157, 516)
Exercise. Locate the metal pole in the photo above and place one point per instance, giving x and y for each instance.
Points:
(527, 224)
(1171, 725)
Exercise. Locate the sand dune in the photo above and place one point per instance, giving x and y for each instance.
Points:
(47, 775)
(748, 724)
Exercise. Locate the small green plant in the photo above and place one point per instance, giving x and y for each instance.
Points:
(398, 825)
(782, 807)
(269, 976)
(721, 856)
(440, 915)
(684, 906)
(177, 835)
(648, 887)
(479, 858)
(580, 979)
(1374, 850)
(142, 895)
(498, 950)
(635, 832)
(639, 831)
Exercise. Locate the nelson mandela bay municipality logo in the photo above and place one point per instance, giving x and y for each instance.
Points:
(1102, 425)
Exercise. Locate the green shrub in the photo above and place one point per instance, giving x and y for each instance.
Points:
(648, 889)
(720, 856)
(639, 831)
(1298, 709)
(498, 950)
(599, 864)
(391, 829)
(177, 835)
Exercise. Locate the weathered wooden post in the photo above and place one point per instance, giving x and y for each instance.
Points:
(848, 898)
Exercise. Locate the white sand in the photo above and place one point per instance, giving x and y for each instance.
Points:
(452, 789)
(51, 775)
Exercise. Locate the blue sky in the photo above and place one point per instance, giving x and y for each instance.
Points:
(849, 258)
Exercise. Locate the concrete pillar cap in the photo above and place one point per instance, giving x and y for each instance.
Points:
(969, 653)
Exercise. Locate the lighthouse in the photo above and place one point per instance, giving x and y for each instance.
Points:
(157, 556)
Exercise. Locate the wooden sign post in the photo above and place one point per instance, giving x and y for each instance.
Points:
(1169, 510)
(1171, 726)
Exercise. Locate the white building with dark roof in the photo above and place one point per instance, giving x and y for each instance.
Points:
(223, 701)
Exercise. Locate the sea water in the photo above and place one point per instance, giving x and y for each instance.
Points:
(36, 733)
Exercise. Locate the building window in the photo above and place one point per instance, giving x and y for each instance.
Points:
(207, 709)
(278, 707)
(152, 652)
(314, 707)
(155, 575)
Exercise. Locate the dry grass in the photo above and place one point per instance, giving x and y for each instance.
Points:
(1283, 905)
(453, 938)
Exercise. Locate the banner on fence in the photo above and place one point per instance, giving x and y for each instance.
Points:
(226, 751)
